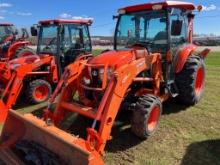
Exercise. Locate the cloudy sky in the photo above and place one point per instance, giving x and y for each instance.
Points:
(24, 13)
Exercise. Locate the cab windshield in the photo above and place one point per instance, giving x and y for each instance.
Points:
(48, 39)
(145, 28)
(72, 39)
(5, 31)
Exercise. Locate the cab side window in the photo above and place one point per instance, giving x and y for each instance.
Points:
(86, 38)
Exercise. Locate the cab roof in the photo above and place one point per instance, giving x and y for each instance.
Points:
(149, 6)
(68, 21)
(6, 24)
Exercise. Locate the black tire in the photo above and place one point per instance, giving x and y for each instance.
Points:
(24, 51)
(38, 91)
(147, 106)
(187, 81)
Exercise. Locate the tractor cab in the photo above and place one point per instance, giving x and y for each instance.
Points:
(7, 32)
(65, 39)
(165, 28)
(159, 27)
(7, 35)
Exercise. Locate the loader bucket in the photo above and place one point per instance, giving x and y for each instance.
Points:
(68, 148)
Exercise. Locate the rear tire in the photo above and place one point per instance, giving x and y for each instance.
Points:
(38, 91)
(191, 81)
(24, 51)
(146, 116)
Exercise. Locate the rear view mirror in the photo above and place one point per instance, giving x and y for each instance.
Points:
(34, 31)
(176, 27)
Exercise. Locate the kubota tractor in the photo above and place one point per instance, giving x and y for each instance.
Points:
(153, 60)
(60, 43)
(11, 46)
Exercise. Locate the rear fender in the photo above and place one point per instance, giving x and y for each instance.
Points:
(15, 45)
(203, 54)
(182, 54)
(3, 113)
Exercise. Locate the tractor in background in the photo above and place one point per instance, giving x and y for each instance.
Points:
(153, 60)
(10, 45)
(60, 42)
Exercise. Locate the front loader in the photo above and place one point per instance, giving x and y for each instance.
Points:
(153, 60)
(60, 42)
(12, 46)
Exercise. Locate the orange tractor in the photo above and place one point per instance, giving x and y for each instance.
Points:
(60, 43)
(12, 47)
(153, 60)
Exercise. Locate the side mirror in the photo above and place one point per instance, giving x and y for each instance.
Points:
(176, 27)
(34, 31)
(115, 17)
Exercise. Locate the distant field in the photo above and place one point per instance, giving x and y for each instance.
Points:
(186, 135)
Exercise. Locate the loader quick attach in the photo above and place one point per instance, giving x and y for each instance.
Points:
(145, 68)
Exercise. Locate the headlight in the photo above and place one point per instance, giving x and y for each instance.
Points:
(109, 73)
(86, 80)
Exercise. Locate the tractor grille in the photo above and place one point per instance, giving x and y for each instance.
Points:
(96, 82)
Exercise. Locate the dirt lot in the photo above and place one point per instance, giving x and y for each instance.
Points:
(186, 135)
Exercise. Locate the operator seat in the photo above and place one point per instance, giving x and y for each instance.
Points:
(161, 38)
(72, 53)
(160, 42)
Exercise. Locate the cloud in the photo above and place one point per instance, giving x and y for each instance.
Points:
(65, 15)
(209, 8)
(69, 16)
(1, 17)
(2, 5)
(24, 14)
(83, 17)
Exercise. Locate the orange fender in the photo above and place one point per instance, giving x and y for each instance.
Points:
(3, 112)
(182, 55)
(16, 45)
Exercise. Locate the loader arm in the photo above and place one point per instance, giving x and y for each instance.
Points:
(14, 85)
(109, 106)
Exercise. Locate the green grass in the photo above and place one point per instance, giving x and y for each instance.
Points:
(186, 135)
(96, 52)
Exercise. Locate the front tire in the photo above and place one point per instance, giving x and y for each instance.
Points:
(146, 116)
(38, 91)
(191, 81)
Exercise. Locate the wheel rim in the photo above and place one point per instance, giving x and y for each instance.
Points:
(41, 93)
(153, 118)
(199, 81)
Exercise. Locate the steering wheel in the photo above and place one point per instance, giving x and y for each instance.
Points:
(51, 46)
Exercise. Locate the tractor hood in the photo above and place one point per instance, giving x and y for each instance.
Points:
(117, 58)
